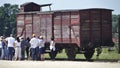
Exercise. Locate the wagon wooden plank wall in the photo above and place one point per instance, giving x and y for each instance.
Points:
(96, 26)
(69, 27)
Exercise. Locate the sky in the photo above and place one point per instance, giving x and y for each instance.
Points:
(72, 4)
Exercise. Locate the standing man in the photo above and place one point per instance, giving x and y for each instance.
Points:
(10, 41)
(34, 47)
(27, 46)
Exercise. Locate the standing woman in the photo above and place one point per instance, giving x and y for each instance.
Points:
(4, 49)
(52, 49)
(17, 47)
(41, 47)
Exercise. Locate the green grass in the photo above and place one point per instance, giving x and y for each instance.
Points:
(108, 55)
(59, 55)
(105, 55)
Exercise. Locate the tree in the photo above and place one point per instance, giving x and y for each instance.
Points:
(1, 20)
(8, 19)
(115, 23)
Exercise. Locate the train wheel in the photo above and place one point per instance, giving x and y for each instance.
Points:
(88, 54)
(71, 53)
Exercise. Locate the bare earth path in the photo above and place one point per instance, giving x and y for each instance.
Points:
(57, 64)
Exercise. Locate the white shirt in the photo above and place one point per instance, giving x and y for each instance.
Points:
(41, 43)
(11, 41)
(0, 44)
(34, 42)
(52, 45)
(18, 44)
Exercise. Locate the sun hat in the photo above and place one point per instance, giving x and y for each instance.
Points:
(41, 37)
(33, 35)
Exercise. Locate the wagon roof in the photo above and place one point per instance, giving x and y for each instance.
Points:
(81, 9)
(42, 5)
(27, 3)
(69, 10)
(37, 12)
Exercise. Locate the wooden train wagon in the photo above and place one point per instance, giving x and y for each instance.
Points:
(78, 31)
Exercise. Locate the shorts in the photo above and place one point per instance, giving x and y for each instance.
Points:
(42, 50)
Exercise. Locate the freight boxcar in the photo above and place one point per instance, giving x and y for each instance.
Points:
(76, 31)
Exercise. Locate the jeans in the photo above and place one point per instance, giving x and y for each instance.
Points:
(53, 54)
(11, 52)
(27, 51)
(22, 53)
(0, 52)
(35, 53)
(4, 53)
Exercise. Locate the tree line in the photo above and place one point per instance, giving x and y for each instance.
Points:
(8, 19)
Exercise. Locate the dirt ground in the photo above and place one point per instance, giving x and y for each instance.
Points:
(57, 64)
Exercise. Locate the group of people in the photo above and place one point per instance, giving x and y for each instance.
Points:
(15, 49)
